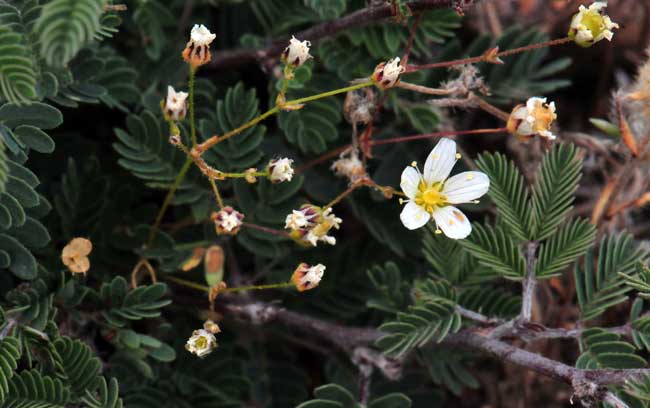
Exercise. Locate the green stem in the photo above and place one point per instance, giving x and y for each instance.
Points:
(192, 120)
(329, 93)
(259, 287)
(168, 199)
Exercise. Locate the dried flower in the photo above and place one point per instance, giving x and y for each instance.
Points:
(194, 260)
(280, 170)
(387, 74)
(227, 220)
(297, 53)
(591, 25)
(211, 327)
(359, 106)
(197, 50)
(432, 193)
(534, 118)
(75, 255)
(311, 224)
(349, 165)
(201, 343)
(307, 277)
(175, 105)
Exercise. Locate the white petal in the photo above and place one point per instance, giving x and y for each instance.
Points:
(413, 216)
(465, 187)
(410, 181)
(440, 161)
(452, 222)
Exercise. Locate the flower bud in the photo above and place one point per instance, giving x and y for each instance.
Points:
(197, 50)
(297, 53)
(591, 25)
(175, 105)
(227, 221)
(534, 118)
(201, 343)
(211, 326)
(280, 170)
(249, 175)
(307, 277)
(387, 74)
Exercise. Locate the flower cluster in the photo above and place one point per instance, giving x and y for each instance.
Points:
(533, 118)
(433, 193)
(307, 277)
(591, 25)
(280, 170)
(197, 50)
(75, 255)
(311, 224)
(387, 74)
(227, 220)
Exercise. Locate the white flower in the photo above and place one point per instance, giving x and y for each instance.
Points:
(534, 118)
(197, 50)
(433, 193)
(311, 224)
(280, 170)
(591, 25)
(349, 166)
(297, 53)
(201, 343)
(387, 74)
(228, 220)
(296, 220)
(175, 105)
(200, 35)
(307, 277)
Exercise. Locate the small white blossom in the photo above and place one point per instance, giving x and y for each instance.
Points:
(201, 343)
(534, 118)
(591, 25)
(200, 35)
(387, 74)
(297, 53)
(175, 105)
(296, 220)
(197, 50)
(432, 193)
(307, 277)
(228, 221)
(280, 170)
(311, 224)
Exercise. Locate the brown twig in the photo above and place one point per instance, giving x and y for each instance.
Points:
(359, 18)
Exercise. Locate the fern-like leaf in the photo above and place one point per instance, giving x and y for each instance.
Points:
(17, 75)
(509, 193)
(9, 354)
(604, 349)
(66, 26)
(106, 396)
(136, 304)
(599, 287)
(32, 389)
(568, 243)
(557, 180)
(79, 365)
(495, 249)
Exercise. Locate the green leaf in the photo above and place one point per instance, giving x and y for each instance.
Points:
(152, 18)
(446, 367)
(495, 249)
(394, 400)
(327, 9)
(556, 181)
(568, 243)
(605, 349)
(79, 365)
(105, 396)
(35, 138)
(509, 193)
(599, 287)
(17, 75)
(142, 302)
(36, 114)
(32, 389)
(10, 352)
(66, 26)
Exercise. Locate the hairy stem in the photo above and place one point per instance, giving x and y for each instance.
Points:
(529, 283)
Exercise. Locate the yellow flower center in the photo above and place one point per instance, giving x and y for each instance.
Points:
(201, 343)
(594, 22)
(544, 116)
(430, 197)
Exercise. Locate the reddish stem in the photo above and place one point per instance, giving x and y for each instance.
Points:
(268, 230)
(435, 135)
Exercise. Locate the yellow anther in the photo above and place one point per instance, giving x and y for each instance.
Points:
(414, 163)
(438, 231)
(458, 156)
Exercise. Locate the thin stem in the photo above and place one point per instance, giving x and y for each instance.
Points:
(322, 158)
(436, 135)
(259, 287)
(218, 139)
(186, 283)
(423, 89)
(268, 230)
(215, 189)
(344, 194)
(329, 93)
(409, 44)
(491, 109)
(168, 199)
(483, 57)
(192, 118)
(529, 283)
